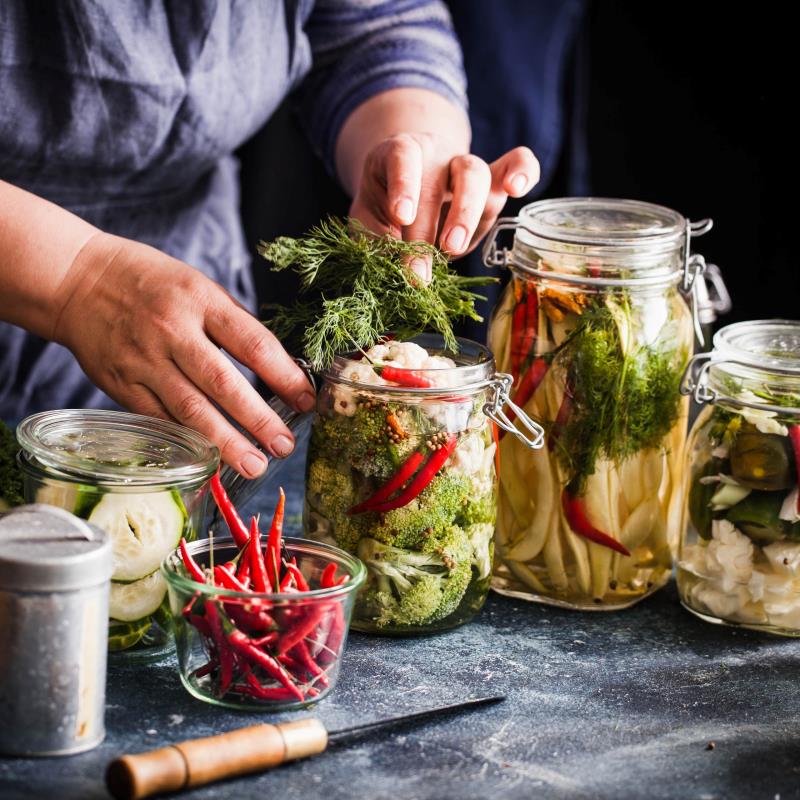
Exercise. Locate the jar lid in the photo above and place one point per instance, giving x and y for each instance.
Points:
(754, 363)
(115, 447)
(43, 548)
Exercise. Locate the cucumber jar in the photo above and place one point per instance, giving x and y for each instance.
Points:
(595, 329)
(739, 559)
(143, 481)
(401, 472)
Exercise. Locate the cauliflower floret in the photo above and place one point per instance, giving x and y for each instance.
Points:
(724, 603)
(784, 557)
(788, 510)
(729, 555)
(763, 420)
(468, 456)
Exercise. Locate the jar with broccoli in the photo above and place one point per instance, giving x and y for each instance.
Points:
(739, 560)
(401, 472)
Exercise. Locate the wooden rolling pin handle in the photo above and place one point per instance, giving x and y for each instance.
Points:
(200, 761)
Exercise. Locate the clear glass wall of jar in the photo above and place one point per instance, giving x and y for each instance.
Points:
(401, 472)
(739, 559)
(143, 481)
(595, 330)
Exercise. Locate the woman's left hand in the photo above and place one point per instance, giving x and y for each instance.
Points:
(422, 184)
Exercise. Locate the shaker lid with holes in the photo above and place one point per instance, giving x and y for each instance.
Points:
(43, 548)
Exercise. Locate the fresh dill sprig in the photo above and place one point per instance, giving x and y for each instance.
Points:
(357, 287)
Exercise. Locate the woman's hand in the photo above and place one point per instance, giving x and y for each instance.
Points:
(422, 183)
(147, 329)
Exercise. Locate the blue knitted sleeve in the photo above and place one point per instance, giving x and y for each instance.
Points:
(363, 47)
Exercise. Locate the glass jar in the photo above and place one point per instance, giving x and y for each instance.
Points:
(140, 479)
(595, 331)
(739, 559)
(404, 477)
(192, 605)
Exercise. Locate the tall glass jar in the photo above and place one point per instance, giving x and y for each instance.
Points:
(594, 329)
(140, 479)
(401, 473)
(739, 559)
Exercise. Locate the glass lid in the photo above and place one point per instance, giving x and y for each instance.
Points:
(117, 447)
(768, 344)
(603, 221)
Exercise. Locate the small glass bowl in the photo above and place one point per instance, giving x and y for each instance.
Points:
(266, 619)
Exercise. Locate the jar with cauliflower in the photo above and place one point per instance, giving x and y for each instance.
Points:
(739, 560)
(401, 472)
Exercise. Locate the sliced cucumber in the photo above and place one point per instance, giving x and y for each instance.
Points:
(122, 635)
(132, 601)
(143, 529)
(78, 499)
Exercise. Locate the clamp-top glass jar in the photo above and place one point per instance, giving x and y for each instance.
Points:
(140, 479)
(594, 328)
(401, 472)
(739, 560)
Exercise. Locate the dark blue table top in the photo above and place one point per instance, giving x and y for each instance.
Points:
(599, 705)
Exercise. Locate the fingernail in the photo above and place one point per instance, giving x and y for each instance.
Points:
(306, 401)
(254, 465)
(404, 210)
(518, 183)
(421, 267)
(456, 239)
(282, 446)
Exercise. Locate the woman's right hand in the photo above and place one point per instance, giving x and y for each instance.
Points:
(147, 329)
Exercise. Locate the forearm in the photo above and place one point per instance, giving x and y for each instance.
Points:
(392, 112)
(38, 244)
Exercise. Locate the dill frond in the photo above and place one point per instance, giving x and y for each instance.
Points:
(355, 287)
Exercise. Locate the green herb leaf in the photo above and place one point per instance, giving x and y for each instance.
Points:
(357, 287)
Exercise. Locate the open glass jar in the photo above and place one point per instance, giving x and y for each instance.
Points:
(595, 331)
(739, 560)
(401, 472)
(140, 479)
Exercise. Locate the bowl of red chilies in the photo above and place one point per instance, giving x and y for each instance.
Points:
(260, 621)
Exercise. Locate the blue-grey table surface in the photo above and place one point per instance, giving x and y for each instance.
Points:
(622, 705)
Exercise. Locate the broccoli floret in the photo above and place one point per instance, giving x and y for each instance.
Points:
(422, 521)
(11, 490)
(329, 494)
(365, 440)
(481, 508)
(480, 536)
(412, 588)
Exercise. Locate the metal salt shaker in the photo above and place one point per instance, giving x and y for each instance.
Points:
(54, 588)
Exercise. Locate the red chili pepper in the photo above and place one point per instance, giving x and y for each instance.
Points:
(562, 418)
(531, 326)
(242, 645)
(258, 570)
(517, 328)
(328, 575)
(243, 573)
(273, 554)
(405, 377)
(191, 565)
(300, 629)
(408, 468)
(206, 669)
(794, 437)
(575, 512)
(269, 638)
(224, 578)
(226, 659)
(422, 478)
(527, 386)
(229, 513)
(301, 653)
(200, 623)
(299, 578)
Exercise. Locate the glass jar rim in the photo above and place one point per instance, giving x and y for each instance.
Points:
(766, 345)
(354, 566)
(470, 376)
(139, 450)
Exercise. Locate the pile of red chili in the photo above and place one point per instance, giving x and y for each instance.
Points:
(279, 651)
